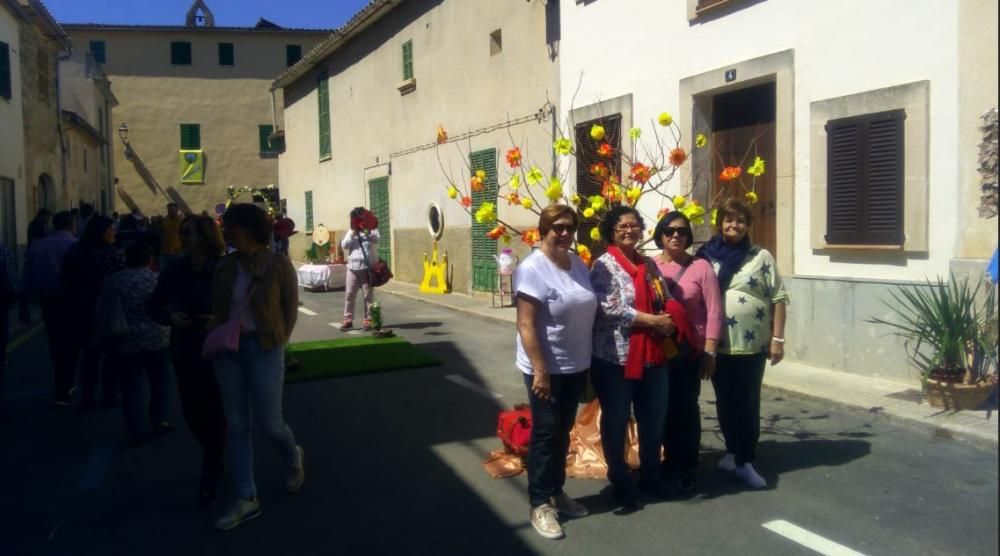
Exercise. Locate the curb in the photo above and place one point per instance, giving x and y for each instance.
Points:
(464, 310)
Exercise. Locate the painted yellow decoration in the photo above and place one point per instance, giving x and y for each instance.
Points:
(435, 273)
(192, 164)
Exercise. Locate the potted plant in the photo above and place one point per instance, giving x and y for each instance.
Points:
(947, 336)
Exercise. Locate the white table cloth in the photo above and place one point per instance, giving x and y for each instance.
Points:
(328, 276)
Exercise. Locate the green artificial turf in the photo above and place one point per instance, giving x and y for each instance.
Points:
(353, 356)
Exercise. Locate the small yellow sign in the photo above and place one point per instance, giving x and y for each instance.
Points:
(192, 165)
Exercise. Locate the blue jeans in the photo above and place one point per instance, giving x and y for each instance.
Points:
(551, 421)
(617, 396)
(252, 381)
(131, 367)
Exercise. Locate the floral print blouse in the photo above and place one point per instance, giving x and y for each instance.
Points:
(616, 309)
(754, 289)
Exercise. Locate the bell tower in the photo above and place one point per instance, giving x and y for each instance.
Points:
(199, 15)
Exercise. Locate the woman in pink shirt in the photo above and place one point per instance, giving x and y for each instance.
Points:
(693, 282)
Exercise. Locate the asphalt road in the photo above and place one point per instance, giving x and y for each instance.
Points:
(393, 466)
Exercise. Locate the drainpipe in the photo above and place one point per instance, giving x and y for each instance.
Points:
(61, 56)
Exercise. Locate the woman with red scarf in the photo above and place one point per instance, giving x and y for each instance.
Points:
(635, 320)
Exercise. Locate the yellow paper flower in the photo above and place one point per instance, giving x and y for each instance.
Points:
(695, 212)
(563, 146)
(666, 119)
(481, 174)
(700, 140)
(596, 202)
(554, 191)
(595, 234)
(751, 197)
(588, 212)
(715, 216)
(584, 252)
(758, 167)
(575, 199)
(486, 213)
(632, 194)
(635, 133)
(452, 192)
(527, 203)
(535, 175)
(679, 201)
(597, 132)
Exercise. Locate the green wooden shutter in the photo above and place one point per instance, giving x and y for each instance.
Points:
(293, 53)
(5, 78)
(227, 54)
(407, 60)
(265, 132)
(323, 92)
(98, 50)
(378, 200)
(309, 211)
(180, 53)
(484, 266)
(190, 137)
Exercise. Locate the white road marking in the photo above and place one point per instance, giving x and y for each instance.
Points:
(466, 383)
(808, 539)
(309, 312)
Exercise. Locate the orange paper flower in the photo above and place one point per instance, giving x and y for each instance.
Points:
(663, 212)
(730, 173)
(605, 150)
(466, 201)
(531, 237)
(442, 135)
(677, 156)
(600, 170)
(640, 173)
(514, 157)
(476, 183)
(513, 199)
(497, 233)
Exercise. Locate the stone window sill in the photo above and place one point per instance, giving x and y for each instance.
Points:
(408, 86)
(860, 247)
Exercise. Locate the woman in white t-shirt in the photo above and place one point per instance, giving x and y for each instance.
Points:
(556, 307)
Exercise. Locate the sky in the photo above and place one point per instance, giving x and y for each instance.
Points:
(304, 14)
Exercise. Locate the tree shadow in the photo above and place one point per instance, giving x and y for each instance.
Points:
(415, 325)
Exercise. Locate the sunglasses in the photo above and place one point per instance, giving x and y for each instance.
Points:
(561, 229)
(669, 231)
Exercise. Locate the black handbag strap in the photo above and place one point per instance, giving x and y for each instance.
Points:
(672, 282)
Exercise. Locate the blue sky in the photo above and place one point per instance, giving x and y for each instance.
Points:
(310, 14)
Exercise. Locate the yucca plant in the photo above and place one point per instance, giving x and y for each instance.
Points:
(942, 329)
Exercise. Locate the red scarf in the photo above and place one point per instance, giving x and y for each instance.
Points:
(643, 346)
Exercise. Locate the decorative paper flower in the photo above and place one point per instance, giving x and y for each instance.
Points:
(678, 201)
(466, 201)
(497, 233)
(563, 146)
(554, 191)
(635, 133)
(481, 174)
(597, 132)
(695, 212)
(531, 237)
(535, 175)
(588, 212)
(700, 140)
(527, 203)
(442, 135)
(595, 234)
(758, 167)
(730, 173)
(600, 170)
(584, 252)
(678, 156)
(515, 182)
(514, 157)
(452, 192)
(476, 183)
(662, 212)
(596, 202)
(605, 150)
(715, 216)
(665, 119)
(611, 190)
(575, 199)
(513, 199)
(640, 173)
(505, 239)
(486, 213)
(633, 194)
(751, 197)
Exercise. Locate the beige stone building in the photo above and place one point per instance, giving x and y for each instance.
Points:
(193, 87)
(361, 113)
(12, 182)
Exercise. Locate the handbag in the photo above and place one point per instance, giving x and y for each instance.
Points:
(378, 272)
(514, 429)
(223, 339)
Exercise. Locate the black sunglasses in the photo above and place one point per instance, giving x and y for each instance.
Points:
(560, 229)
(669, 231)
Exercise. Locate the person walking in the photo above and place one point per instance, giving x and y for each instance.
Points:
(692, 282)
(8, 294)
(42, 280)
(257, 290)
(360, 245)
(38, 228)
(169, 229)
(142, 350)
(86, 213)
(87, 265)
(556, 307)
(754, 300)
(629, 364)
(183, 300)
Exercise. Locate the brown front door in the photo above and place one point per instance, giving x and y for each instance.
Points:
(742, 129)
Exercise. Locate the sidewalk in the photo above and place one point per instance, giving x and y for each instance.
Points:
(891, 399)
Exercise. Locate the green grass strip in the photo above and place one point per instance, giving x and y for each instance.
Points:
(355, 355)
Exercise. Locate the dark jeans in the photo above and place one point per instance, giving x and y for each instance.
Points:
(96, 367)
(737, 383)
(201, 403)
(63, 344)
(152, 364)
(4, 334)
(617, 396)
(551, 421)
(682, 431)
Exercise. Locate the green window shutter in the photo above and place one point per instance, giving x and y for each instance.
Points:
(5, 79)
(227, 54)
(378, 201)
(180, 53)
(309, 211)
(265, 132)
(97, 48)
(190, 137)
(484, 266)
(323, 92)
(293, 53)
(408, 60)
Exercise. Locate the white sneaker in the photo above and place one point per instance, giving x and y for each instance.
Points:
(545, 520)
(728, 462)
(297, 473)
(569, 507)
(243, 509)
(750, 476)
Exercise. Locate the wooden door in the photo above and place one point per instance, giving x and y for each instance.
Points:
(738, 147)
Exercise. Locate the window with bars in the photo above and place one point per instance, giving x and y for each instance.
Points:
(323, 93)
(309, 211)
(293, 53)
(190, 137)
(264, 133)
(99, 50)
(227, 54)
(5, 76)
(865, 179)
(180, 53)
(407, 60)
(587, 182)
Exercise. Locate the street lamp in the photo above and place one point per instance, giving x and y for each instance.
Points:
(123, 132)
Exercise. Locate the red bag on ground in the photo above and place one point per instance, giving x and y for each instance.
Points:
(514, 429)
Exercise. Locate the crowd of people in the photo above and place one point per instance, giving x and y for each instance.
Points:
(129, 303)
(648, 330)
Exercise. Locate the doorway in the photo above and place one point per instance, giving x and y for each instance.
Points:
(743, 128)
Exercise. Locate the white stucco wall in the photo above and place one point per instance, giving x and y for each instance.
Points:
(840, 48)
(12, 124)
